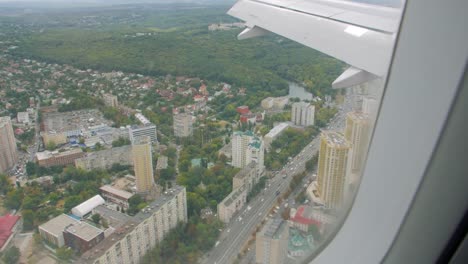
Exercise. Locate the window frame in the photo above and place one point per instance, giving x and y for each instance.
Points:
(421, 87)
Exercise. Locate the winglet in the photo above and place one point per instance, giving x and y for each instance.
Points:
(252, 32)
(351, 77)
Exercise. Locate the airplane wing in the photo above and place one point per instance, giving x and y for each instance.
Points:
(361, 35)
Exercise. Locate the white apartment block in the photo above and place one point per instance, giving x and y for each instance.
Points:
(110, 100)
(303, 114)
(183, 125)
(246, 147)
(232, 204)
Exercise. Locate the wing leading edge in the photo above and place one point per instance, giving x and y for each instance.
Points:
(360, 35)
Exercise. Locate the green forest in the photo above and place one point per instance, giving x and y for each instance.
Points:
(190, 49)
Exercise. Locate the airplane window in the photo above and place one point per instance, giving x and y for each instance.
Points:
(163, 131)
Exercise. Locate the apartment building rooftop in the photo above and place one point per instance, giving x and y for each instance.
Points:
(56, 154)
(233, 196)
(83, 230)
(245, 171)
(274, 227)
(335, 139)
(74, 120)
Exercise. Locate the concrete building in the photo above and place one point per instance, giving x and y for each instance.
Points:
(56, 158)
(73, 123)
(22, 117)
(8, 153)
(82, 236)
(183, 125)
(226, 150)
(302, 114)
(271, 245)
(274, 103)
(148, 130)
(246, 147)
(65, 230)
(54, 138)
(116, 196)
(240, 141)
(232, 203)
(274, 133)
(110, 100)
(370, 105)
(133, 238)
(332, 167)
(267, 103)
(142, 119)
(247, 177)
(143, 164)
(304, 219)
(280, 102)
(52, 231)
(104, 159)
(162, 162)
(255, 153)
(357, 132)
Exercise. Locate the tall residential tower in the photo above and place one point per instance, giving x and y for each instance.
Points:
(8, 154)
(357, 133)
(247, 148)
(143, 164)
(332, 167)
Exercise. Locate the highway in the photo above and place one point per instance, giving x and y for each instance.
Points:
(243, 224)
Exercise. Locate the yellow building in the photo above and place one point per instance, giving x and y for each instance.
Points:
(143, 164)
(8, 153)
(332, 167)
(357, 132)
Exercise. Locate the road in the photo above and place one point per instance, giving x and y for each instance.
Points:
(243, 224)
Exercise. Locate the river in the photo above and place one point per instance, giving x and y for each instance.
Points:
(295, 90)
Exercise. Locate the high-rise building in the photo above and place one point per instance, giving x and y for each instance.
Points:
(255, 153)
(183, 125)
(370, 105)
(143, 164)
(148, 130)
(271, 246)
(357, 133)
(110, 100)
(302, 114)
(240, 141)
(332, 167)
(8, 154)
(247, 148)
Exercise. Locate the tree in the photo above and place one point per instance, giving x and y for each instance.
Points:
(51, 145)
(71, 202)
(5, 184)
(11, 255)
(64, 254)
(96, 218)
(14, 198)
(120, 142)
(28, 219)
